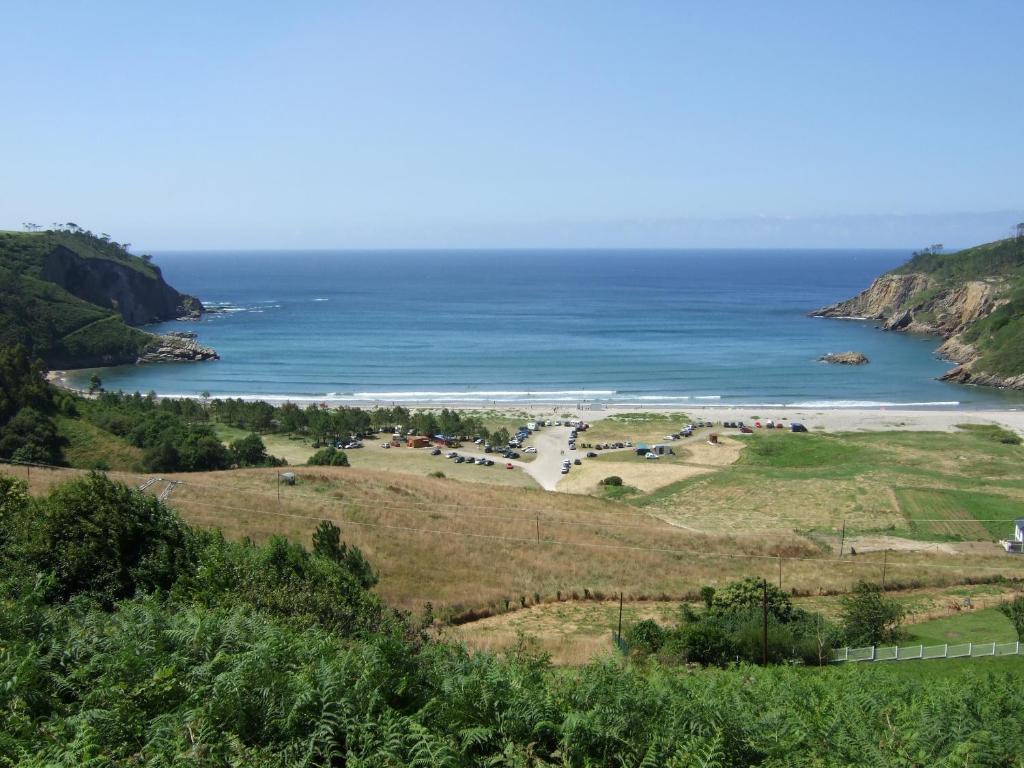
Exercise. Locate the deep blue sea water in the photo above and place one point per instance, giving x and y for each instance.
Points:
(678, 327)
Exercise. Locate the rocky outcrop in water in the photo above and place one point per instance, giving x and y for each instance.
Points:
(845, 358)
(175, 348)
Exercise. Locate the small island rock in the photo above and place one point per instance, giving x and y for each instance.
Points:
(845, 358)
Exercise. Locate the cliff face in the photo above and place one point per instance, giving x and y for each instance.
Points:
(882, 300)
(137, 297)
(72, 299)
(950, 307)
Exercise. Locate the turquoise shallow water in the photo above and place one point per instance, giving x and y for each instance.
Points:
(646, 327)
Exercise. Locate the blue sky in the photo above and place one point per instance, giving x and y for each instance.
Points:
(329, 124)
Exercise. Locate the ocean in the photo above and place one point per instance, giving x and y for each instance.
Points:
(712, 327)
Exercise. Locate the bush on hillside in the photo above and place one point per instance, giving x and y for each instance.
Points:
(249, 451)
(869, 617)
(612, 480)
(95, 537)
(328, 457)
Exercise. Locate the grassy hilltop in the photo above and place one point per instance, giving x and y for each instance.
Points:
(974, 298)
(72, 297)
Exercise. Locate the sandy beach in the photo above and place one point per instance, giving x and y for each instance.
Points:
(834, 419)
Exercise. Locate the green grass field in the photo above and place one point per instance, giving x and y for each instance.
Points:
(90, 447)
(987, 625)
(873, 482)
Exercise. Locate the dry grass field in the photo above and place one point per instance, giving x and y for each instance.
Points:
(693, 457)
(924, 508)
(473, 546)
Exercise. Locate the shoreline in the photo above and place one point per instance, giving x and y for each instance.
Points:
(929, 417)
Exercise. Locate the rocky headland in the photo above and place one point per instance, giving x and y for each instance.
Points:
(970, 299)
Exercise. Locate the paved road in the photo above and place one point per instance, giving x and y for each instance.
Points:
(552, 444)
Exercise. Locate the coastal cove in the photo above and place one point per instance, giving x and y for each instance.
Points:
(684, 328)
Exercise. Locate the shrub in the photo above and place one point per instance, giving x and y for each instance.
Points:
(646, 636)
(740, 597)
(613, 480)
(329, 457)
(101, 538)
(706, 642)
(869, 617)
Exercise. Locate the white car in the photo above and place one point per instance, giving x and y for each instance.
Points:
(531, 449)
(385, 445)
(565, 469)
(451, 454)
(650, 455)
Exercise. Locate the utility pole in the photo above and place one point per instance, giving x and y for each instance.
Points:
(885, 561)
(842, 540)
(538, 529)
(279, 489)
(780, 573)
(764, 650)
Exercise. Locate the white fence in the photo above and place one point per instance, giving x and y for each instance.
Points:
(907, 652)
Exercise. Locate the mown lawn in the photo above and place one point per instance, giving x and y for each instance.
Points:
(987, 625)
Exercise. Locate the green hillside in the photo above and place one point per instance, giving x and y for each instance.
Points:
(1001, 258)
(71, 297)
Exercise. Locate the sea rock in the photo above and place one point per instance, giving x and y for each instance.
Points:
(845, 358)
(963, 374)
(175, 348)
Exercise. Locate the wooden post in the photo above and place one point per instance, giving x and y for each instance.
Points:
(538, 529)
(764, 649)
(279, 489)
(780, 573)
(842, 540)
(885, 561)
(620, 616)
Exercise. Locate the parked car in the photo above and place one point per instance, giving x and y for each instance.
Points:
(531, 449)
(577, 462)
(509, 466)
(489, 462)
(650, 455)
(451, 454)
(746, 430)
(459, 460)
(385, 445)
(481, 461)
(565, 469)
(436, 452)
(591, 455)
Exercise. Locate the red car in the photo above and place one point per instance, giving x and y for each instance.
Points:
(509, 466)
